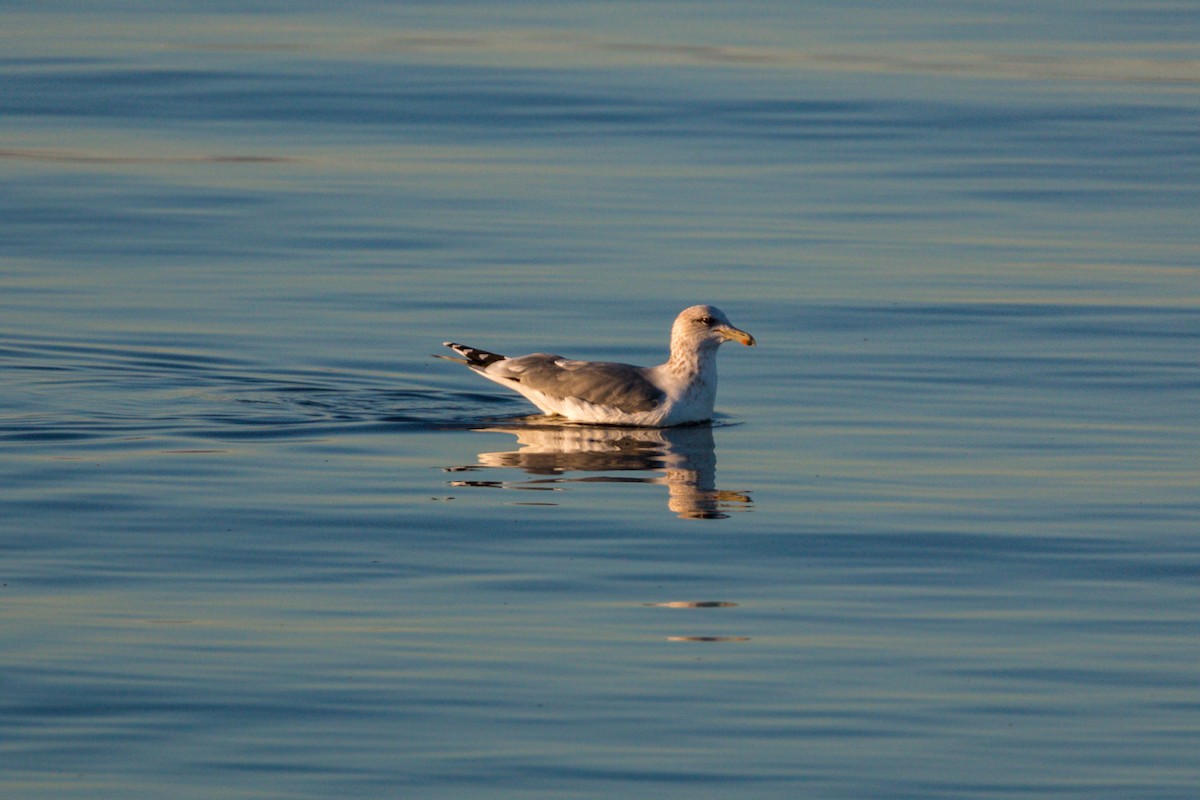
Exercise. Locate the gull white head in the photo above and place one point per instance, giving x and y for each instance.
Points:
(705, 328)
(697, 333)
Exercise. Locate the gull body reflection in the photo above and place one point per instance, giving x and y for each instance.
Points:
(682, 459)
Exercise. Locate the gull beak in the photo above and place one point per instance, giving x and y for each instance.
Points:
(730, 332)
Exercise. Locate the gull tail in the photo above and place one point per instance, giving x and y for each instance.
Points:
(475, 359)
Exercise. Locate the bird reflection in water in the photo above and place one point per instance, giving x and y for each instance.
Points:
(684, 459)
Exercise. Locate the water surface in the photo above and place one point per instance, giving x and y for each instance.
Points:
(940, 541)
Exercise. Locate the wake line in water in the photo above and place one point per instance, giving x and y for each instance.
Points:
(57, 391)
(267, 411)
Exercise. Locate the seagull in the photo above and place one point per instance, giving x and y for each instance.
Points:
(679, 392)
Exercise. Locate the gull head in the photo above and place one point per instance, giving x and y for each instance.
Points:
(706, 327)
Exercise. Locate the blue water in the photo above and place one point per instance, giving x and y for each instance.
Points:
(940, 542)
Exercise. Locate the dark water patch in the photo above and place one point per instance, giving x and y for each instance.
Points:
(1094, 348)
(78, 157)
(1040, 311)
(1083, 676)
(105, 92)
(118, 220)
(507, 102)
(21, 432)
(52, 61)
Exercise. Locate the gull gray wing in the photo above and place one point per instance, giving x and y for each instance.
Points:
(603, 383)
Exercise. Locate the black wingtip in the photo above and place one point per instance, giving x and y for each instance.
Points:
(474, 357)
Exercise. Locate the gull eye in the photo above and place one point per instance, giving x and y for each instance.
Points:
(706, 320)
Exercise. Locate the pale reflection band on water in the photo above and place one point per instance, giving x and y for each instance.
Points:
(683, 459)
